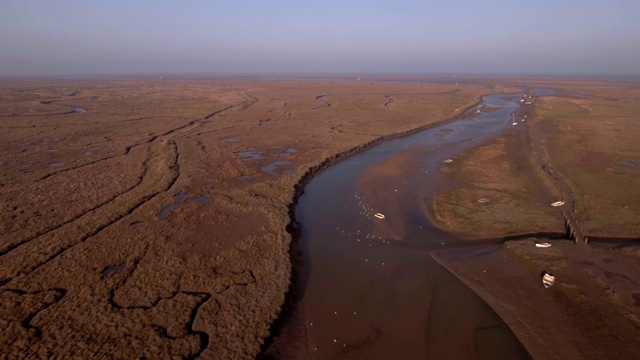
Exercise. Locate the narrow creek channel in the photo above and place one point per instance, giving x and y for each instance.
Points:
(367, 287)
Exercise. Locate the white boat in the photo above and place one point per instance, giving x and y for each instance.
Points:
(379, 215)
(482, 200)
(548, 280)
(448, 161)
(544, 244)
(514, 124)
(557, 203)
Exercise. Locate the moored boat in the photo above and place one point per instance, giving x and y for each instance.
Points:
(548, 280)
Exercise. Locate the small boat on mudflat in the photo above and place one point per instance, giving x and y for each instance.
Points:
(379, 215)
(557, 203)
(548, 280)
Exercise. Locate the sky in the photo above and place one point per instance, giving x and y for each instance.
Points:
(114, 37)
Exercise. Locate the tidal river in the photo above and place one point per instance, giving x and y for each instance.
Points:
(368, 287)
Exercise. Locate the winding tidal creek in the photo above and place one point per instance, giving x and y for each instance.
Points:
(367, 287)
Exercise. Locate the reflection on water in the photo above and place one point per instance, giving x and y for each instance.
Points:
(544, 92)
(289, 152)
(164, 213)
(271, 168)
(250, 154)
(182, 197)
(112, 270)
(203, 199)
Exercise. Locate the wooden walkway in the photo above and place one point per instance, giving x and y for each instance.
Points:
(572, 229)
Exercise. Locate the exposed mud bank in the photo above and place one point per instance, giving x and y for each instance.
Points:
(591, 313)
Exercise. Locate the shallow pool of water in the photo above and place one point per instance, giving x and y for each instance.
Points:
(182, 197)
(112, 270)
(272, 168)
(164, 213)
(250, 155)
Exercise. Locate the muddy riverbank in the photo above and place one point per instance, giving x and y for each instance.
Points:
(590, 313)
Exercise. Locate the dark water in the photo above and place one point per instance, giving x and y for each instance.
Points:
(370, 289)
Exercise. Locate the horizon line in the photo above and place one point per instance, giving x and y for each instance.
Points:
(299, 75)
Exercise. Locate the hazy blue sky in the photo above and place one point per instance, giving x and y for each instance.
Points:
(56, 37)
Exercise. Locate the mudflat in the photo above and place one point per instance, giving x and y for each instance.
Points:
(146, 218)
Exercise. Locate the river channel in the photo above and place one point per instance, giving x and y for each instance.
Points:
(368, 288)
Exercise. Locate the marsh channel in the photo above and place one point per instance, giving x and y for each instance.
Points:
(367, 288)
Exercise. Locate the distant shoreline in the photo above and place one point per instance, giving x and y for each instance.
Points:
(276, 76)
